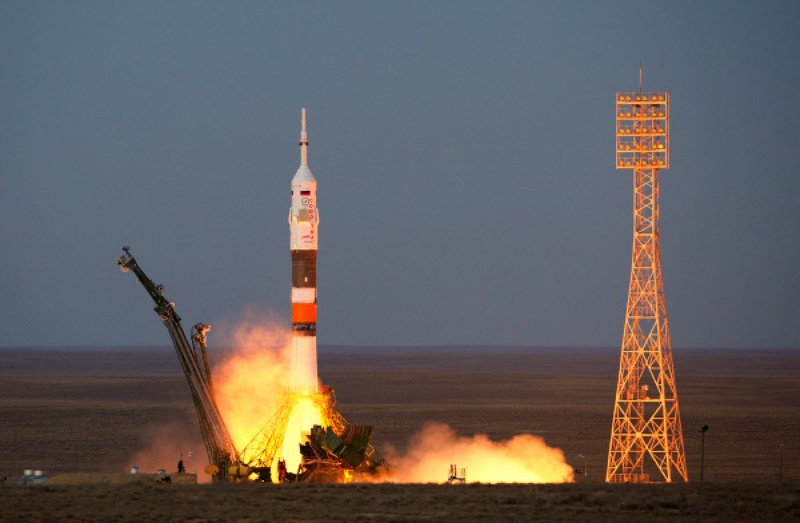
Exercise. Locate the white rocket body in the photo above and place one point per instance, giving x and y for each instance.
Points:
(303, 242)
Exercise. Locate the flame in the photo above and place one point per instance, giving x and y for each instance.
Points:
(525, 458)
(307, 411)
(251, 384)
(248, 383)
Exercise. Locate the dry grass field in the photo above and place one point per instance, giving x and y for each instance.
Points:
(73, 411)
(390, 502)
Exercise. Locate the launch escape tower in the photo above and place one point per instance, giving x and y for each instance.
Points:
(646, 441)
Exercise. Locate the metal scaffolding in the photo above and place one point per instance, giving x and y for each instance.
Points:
(646, 443)
(194, 361)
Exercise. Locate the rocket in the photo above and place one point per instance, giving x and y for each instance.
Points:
(303, 229)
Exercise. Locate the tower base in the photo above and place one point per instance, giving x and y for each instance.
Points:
(327, 449)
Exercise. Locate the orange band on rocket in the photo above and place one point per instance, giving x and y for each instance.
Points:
(304, 312)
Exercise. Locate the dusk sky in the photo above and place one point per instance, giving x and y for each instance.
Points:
(464, 153)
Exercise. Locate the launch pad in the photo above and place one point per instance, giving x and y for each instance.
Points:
(285, 422)
(330, 448)
(333, 449)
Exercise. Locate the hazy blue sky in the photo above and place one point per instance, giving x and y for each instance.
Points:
(464, 155)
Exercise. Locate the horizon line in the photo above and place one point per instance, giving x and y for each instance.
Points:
(388, 346)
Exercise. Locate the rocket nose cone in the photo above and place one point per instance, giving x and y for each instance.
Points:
(303, 175)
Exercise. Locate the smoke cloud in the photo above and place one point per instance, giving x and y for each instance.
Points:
(250, 384)
(525, 458)
(164, 445)
(249, 381)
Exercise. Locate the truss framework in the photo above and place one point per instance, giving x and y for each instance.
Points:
(261, 452)
(646, 441)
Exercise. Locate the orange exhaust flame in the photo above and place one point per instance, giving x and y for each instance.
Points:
(252, 383)
(249, 382)
(305, 414)
(525, 458)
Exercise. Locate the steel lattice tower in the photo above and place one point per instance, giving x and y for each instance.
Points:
(646, 441)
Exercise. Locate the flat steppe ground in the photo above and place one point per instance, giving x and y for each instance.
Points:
(83, 415)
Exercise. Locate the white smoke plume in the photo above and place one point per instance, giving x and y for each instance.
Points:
(525, 458)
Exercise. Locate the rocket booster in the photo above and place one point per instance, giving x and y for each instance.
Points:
(303, 227)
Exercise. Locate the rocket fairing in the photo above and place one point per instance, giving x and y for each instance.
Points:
(303, 228)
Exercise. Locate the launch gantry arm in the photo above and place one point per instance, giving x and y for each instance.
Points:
(219, 444)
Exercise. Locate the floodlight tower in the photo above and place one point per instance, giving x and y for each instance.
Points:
(646, 439)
